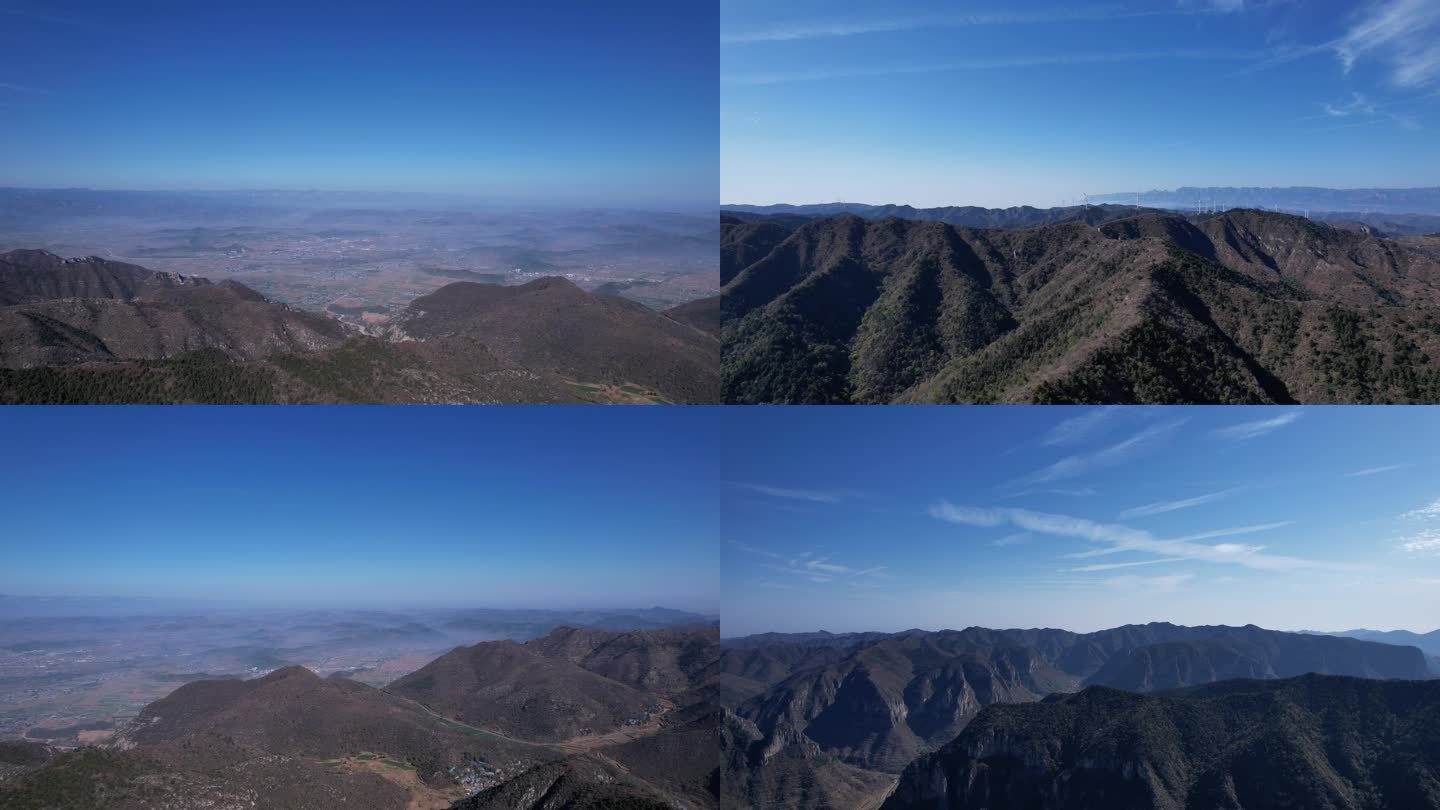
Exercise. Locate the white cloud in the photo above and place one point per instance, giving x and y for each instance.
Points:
(1426, 541)
(809, 566)
(1356, 105)
(1115, 537)
(1376, 470)
(1424, 512)
(1013, 539)
(1250, 430)
(1163, 584)
(1078, 427)
(1170, 506)
(1112, 566)
(749, 549)
(1072, 466)
(1189, 538)
(811, 495)
(968, 515)
(1214, 533)
(1401, 34)
(797, 31)
(1005, 63)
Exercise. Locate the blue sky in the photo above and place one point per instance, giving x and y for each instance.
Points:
(848, 519)
(537, 101)
(536, 507)
(951, 103)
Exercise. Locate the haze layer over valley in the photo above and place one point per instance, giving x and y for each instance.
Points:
(320, 607)
(363, 257)
(541, 181)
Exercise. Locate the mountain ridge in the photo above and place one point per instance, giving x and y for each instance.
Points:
(93, 330)
(808, 704)
(1316, 741)
(1244, 306)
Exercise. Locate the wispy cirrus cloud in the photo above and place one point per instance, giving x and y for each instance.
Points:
(808, 30)
(1404, 35)
(1426, 541)
(1118, 537)
(1039, 60)
(1149, 585)
(810, 565)
(1377, 470)
(787, 493)
(1162, 507)
(1076, 428)
(1191, 538)
(1357, 104)
(1076, 465)
(1113, 566)
(1431, 510)
(749, 549)
(821, 570)
(1359, 111)
(1259, 427)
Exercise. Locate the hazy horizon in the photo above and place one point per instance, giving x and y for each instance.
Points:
(575, 104)
(1081, 518)
(528, 507)
(282, 604)
(386, 198)
(1037, 104)
(1064, 204)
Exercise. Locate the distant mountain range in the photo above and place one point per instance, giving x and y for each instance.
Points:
(1119, 206)
(1240, 307)
(1314, 741)
(970, 216)
(93, 330)
(556, 733)
(1294, 199)
(816, 721)
(1428, 642)
(1357, 202)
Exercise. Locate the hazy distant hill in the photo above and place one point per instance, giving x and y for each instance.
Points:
(804, 708)
(31, 276)
(1314, 741)
(666, 662)
(92, 330)
(293, 711)
(520, 692)
(228, 319)
(566, 684)
(552, 326)
(1295, 198)
(972, 216)
(1428, 642)
(293, 739)
(260, 743)
(1245, 306)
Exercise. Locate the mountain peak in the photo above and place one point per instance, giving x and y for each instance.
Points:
(293, 672)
